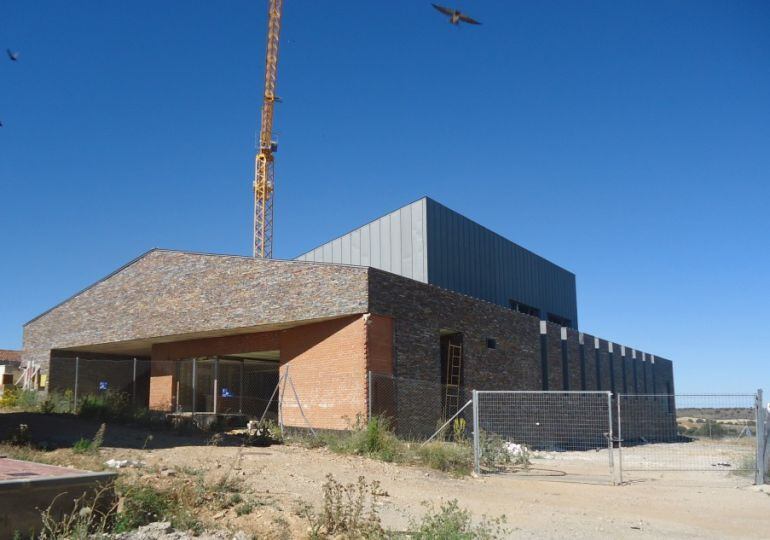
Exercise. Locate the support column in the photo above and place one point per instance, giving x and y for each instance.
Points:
(162, 380)
(216, 384)
(624, 368)
(77, 375)
(611, 362)
(177, 377)
(564, 360)
(544, 353)
(194, 384)
(598, 358)
(240, 388)
(581, 341)
(133, 384)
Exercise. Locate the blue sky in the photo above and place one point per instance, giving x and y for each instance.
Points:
(626, 141)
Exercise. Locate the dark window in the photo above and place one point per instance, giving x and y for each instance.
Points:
(491, 343)
(521, 307)
(7, 379)
(561, 321)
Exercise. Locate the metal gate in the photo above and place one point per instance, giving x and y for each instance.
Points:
(689, 435)
(719, 439)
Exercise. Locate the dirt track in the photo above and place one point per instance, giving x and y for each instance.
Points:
(535, 507)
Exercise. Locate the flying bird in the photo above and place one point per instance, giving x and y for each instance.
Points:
(455, 16)
(14, 56)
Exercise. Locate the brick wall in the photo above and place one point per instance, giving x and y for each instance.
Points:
(170, 293)
(554, 357)
(173, 295)
(162, 386)
(573, 358)
(421, 311)
(327, 363)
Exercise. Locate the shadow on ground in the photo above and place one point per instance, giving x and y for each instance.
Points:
(63, 430)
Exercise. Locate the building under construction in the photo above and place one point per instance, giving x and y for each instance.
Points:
(421, 294)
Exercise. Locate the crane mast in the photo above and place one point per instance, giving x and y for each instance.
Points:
(264, 179)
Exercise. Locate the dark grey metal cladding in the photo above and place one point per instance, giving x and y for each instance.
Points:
(396, 243)
(428, 242)
(468, 258)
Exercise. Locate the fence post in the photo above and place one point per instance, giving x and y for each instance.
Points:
(766, 429)
(77, 374)
(476, 449)
(620, 439)
(610, 438)
(761, 426)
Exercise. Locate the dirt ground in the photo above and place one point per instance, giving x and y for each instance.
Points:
(535, 507)
(539, 504)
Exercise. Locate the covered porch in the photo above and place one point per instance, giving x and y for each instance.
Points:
(238, 374)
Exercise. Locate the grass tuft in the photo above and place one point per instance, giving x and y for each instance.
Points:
(448, 457)
(450, 522)
(92, 446)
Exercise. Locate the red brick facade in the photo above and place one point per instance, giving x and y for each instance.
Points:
(327, 363)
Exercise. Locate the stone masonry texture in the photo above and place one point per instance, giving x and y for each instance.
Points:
(335, 322)
(167, 293)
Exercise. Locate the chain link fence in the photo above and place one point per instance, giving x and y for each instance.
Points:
(572, 435)
(629, 437)
(73, 378)
(561, 433)
(690, 434)
(200, 385)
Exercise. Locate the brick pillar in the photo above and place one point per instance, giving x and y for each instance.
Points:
(326, 362)
(624, 367)
(564, 359)
(597, 356)
(583, 382)
(544, 354)
(611, 364)
(161, 385)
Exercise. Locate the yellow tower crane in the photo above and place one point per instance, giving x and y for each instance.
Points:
(264, 179)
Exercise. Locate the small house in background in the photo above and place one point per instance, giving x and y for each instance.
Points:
(10, 368)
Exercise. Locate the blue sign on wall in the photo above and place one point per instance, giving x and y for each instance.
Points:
(227, 393)
(103, 385)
